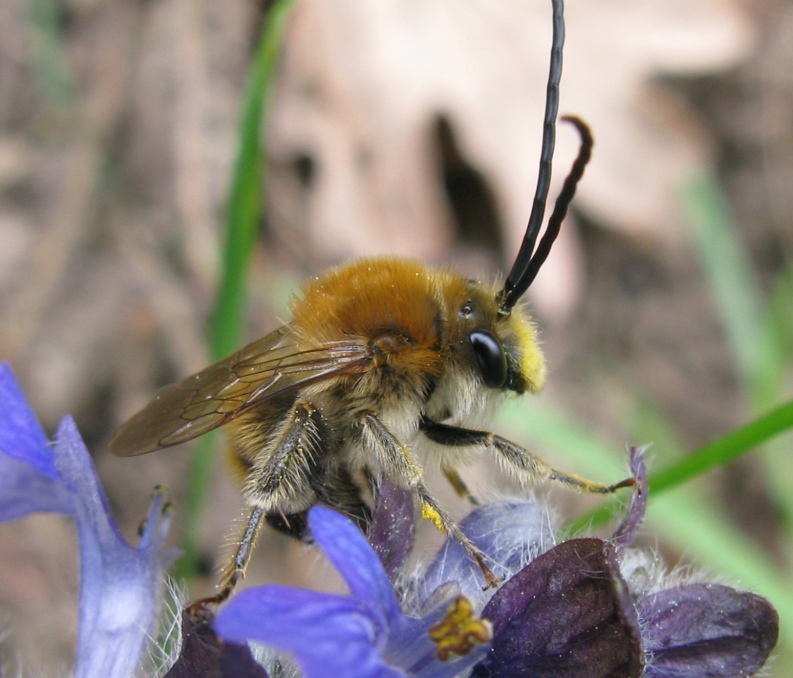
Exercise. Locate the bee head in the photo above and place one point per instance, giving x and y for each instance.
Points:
(506, 347)
(510, 360)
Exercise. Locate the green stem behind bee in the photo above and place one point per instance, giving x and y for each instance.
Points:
(245, 208)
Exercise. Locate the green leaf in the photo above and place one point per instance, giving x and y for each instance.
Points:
(246, 204)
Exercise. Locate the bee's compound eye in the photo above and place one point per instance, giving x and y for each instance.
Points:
(490, 356)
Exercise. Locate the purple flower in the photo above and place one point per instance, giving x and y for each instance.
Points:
(583, 608)
(706, 630)
(362, 635)
(592, 607)
(203, 654)
(568, 613)
(120, 585)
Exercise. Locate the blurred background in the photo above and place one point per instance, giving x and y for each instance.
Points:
(414, 129)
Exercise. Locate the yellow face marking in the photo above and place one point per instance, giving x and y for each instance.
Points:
(460, 631)
(532, 366)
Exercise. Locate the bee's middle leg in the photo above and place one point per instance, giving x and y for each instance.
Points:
(399, 463)
(459, 486)
(235, 569)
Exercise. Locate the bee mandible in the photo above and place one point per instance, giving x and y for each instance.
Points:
(383, 364)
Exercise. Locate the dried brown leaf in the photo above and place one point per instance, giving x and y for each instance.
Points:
(364, 84)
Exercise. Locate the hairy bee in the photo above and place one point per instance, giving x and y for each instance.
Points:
(384, 359)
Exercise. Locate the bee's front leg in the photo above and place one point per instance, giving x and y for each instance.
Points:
(520, 458)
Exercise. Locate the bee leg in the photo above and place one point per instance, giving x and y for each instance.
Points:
(280, 479)
(431, 510)
(235, 570)
(399, 464)
(459, 486)
(294, 525)
(391, 455)
(337, 489)
(518, 457)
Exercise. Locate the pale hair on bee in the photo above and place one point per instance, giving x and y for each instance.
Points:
(384, 358)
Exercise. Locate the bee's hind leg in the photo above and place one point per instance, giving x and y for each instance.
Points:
(235, 570)
(279, 478)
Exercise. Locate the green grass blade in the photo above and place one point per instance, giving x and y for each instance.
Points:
(246, 204)
(730, 274)
(717, 453)
(46, 38)
(725, 449)
(245, 208)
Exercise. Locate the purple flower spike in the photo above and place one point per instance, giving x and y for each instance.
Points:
(29, 482)
(707, 631)
(566, 615)
(363, 635)
(120, 584)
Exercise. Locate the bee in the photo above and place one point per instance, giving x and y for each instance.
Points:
(384, 359)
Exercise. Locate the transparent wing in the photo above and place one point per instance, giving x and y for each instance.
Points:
(263, 370)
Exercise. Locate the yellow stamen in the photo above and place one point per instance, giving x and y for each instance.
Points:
(460, 630)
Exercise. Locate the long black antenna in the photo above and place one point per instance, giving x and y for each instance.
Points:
(562, 203)
(514, 287)
(565, 197)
